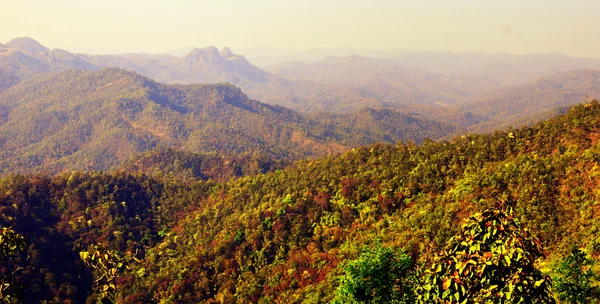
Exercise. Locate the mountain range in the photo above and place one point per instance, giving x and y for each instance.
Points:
(94, 120)
(60, 110)
(412, 82)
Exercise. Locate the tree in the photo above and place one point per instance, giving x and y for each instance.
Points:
(380, 275)
(10, 242)
(106, 266)
(492, 260)
(576, 282)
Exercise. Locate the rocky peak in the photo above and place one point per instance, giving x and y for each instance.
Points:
(205, 55)
(226, 53)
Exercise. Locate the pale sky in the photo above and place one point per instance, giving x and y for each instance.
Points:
(512, 26)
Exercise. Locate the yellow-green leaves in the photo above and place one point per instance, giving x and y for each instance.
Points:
(491, 261)
(106, 266)
(10, 241)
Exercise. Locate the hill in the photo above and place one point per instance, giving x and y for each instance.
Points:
(24, 58)
(391, 83)
(474, 94)
(94, 120)
(26, 44)
(286, 236)
(535, 99)
(200, 65)
(176, 164)
(209, 65)
(499, 69)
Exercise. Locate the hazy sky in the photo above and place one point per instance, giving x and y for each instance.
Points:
(512, 26)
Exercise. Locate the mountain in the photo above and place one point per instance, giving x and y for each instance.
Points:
(288, 236)
(26, 44)
(390, 83)
(23, 58)
(501, 70)
(209, 65)
(171, 163)
(339, 85)
(387, 125)
(94, 120)
(536, 98)
(200, 65)
(463, 92)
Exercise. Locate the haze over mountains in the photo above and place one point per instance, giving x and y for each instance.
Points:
(459, 91)
(94, 120)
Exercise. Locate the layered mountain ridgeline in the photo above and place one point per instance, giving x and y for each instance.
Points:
(536, 99)
(450, 98)
(286, 236)
(499, 69)
(348, 84)
(24, 58)
(307, 94)
(460, 90)
(393, 84)
(94, 120)
(200, 65)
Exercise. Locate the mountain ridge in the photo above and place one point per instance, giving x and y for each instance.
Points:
(94, 120)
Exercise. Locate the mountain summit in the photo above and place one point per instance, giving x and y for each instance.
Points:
(226, 53)
(26, 44)
(204, 55)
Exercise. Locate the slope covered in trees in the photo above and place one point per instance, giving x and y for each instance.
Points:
(434, 86)
(175, 164)
(280, 237)
(287, 235)
(94, 120)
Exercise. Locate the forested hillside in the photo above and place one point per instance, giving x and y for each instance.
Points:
(175, 164)
(95, 120)
(293, 235)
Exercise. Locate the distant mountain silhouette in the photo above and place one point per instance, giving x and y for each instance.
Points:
(391, 83)
(24, 58)
(499, 69)
(26, 44)
(536, 98)
(465, 89)
(200, 65)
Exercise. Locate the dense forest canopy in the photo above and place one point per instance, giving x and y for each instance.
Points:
(96, 120)
(290, 234)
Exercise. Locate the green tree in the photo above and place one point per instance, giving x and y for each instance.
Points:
(379, 275)
(576, 281)
(492, 260)
(10, 242)
(106, 266)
